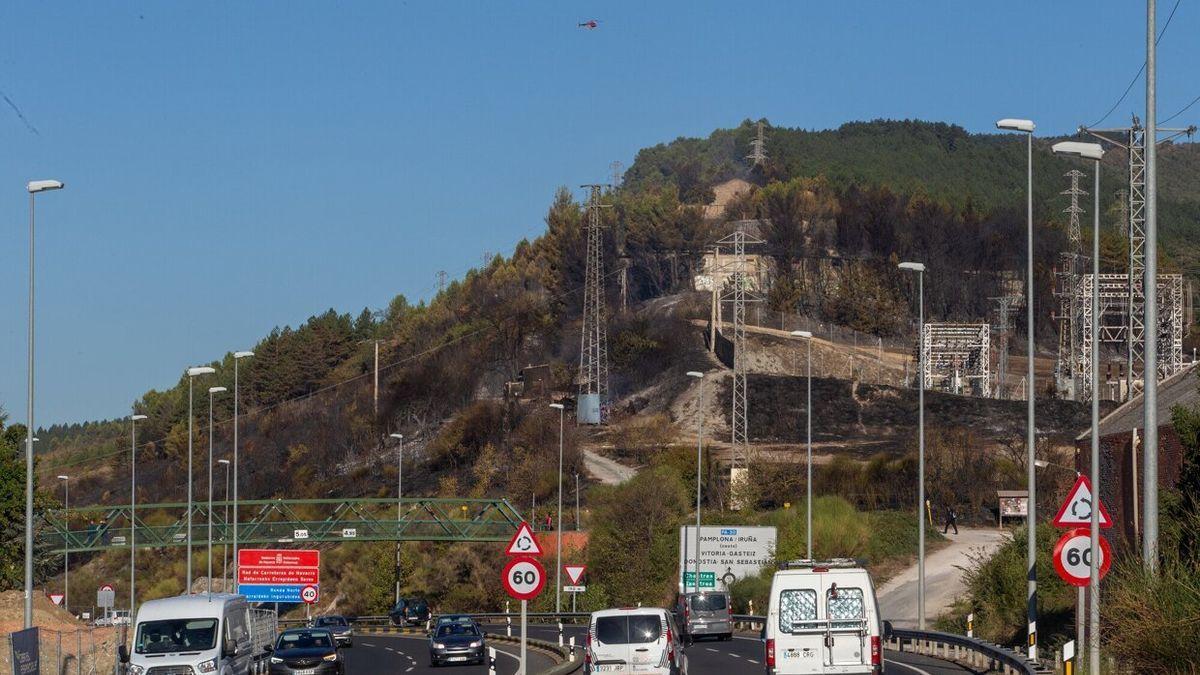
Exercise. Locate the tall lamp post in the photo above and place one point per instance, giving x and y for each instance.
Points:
(225, 533)
(399, 496)
(1026, 127)
(212, 392)
(558, 539)
(237, 356)
(807, 336)
(133, 420)
(919, 268)
(66, 481)
(33, 187)
(1094, 152)
(192, 373)
(699, 462)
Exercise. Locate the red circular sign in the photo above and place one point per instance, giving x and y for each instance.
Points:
(524, 578)
(309, 594)
(1073, 557)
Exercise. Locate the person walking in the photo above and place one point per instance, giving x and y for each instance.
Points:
(951, 520)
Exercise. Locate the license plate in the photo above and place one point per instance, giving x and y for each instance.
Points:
(305, 671)
(612, 668)
(457, 658)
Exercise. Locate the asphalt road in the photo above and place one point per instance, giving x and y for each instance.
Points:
(409, 655)
(743, 655)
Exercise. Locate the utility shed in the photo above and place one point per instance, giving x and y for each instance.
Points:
(1121, 435)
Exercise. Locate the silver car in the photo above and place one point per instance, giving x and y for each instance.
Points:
(705, 614)
(339, 626)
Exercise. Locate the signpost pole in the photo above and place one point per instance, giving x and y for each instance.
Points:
(524, 607)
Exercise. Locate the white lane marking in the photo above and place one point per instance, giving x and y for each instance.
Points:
(905, 665)
(710, 649)
(409, 669)
(368, 644)
(753, 661)
(736, 656)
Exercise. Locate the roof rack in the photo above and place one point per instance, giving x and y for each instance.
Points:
(806, 563)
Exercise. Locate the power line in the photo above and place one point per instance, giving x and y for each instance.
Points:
(1182, 110)
(1142, 70)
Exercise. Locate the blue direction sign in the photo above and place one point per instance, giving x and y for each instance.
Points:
(273, 592)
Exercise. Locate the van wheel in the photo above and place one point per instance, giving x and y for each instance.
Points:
(727, 637)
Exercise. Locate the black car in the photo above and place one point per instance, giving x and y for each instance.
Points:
(312, 651)
(456, 643)
(343, 633)
(410, 612)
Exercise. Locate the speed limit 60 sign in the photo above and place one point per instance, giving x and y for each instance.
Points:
(1073, 557)
(524, 578)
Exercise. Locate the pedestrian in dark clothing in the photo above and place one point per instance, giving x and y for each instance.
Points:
(951, 520)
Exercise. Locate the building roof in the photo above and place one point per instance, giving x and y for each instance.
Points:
(1182, 388)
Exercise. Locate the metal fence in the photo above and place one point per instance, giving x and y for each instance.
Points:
(89, 651)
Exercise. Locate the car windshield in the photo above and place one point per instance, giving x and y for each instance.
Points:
(465, 620)
(709, 603)
(331, 621)
(176, 635)
(635, 629)
(304, 639)
(451, 629)
(417, 606)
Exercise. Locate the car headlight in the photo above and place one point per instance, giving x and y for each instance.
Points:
(331, 657)
(209, 666)
(135, 669)
(438, 645)
(276, 659)
(476, 644)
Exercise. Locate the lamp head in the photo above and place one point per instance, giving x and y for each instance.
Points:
(200, 370)
(912, 266)
(556, 406)
(695, 373)
(802, 334)
(138, 418)
(1041, 463)
(216, 390)
(1010, 124)
(400, 436)
(35, 186)
(1077, 149)
(242, 355)
(64, 478)
(223, 461)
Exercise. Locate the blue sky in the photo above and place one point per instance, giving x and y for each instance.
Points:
(233, 166)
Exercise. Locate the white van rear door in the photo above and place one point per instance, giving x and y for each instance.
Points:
(799, 634)
(610, 645)
(647, 642)
(848, 638)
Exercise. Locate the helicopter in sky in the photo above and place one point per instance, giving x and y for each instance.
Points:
(590, 24)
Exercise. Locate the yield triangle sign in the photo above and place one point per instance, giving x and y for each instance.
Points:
(523, 542)
(56, 598)
(574, 573)
(1076, 511)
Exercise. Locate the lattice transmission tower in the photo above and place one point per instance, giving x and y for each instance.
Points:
(758, 146)
(1067, 365)
(1133, 140)
(593, 353)
(1006, 307)
(740, 292)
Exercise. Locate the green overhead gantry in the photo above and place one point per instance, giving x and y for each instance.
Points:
(263, 522)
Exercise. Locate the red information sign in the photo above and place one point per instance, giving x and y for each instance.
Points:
(279, 566)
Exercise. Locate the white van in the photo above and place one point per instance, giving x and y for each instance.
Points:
(634, 639)
(216, 634)
(823, 618)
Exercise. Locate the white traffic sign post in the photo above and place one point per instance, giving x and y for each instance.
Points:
(574, 577)
(523, 578)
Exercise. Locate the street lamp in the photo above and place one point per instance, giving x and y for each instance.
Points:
(919, 268)
(66, 549)
(212, 391)
(133, 420)
(1026, 127)
(237, 356)
(807, 336)
(699, 461)
(1094, 152)
(399, 496)
(225, 535)
(192, 373)
(577, 525)
(33, 187)
(558, 539)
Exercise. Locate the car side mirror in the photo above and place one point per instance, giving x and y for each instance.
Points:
(123, 653)
(230, 650)
(887, 630)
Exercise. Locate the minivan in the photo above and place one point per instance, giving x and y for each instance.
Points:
(217, 633)
(634, 639)
(823, 617)
(705, 614)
